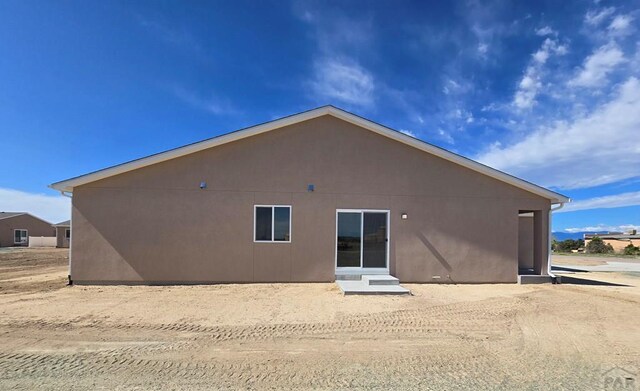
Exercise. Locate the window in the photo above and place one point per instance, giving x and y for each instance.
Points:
(20, 236)
(67, 233)
(272, 223)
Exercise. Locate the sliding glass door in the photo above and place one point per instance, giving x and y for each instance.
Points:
(362, 239)
(374, 239)
(349, 239)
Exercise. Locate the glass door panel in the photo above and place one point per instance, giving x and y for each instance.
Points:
(349, 239)
(374, 240)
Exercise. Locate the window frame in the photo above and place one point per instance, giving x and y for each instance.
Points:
(26, 236)
(273, 225)
(67, 233)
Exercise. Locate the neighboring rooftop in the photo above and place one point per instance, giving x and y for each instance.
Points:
(633, 234)
(6, 215)
(65, 223)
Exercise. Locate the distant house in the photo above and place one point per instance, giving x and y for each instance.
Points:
(63, 234)
(16, 227)
(317, 196)
(617, 240)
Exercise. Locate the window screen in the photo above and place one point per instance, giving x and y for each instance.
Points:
(281, 223)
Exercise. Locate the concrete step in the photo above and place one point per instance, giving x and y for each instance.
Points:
(537, 279)
(380, 279)
(362, 288)
(350, 277)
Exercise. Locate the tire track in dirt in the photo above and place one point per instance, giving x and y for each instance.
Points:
(445, 319)
(442, 371)
(438, 367)
(127, 361)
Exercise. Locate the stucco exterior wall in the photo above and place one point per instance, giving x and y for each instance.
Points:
(525, 242)
(156, 225)
(35, 227)
(61, 237)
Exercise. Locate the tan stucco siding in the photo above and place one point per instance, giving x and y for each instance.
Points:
(61, 237)
(156, 225)
(525, 242)
(36, 227)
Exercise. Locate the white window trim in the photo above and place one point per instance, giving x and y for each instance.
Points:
(67, 233)
(14, 236)
(255, 211)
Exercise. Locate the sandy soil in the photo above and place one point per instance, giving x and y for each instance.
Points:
(309, 336)
(590, 260)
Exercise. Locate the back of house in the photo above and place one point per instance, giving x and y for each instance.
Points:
(63, 234)
(16, 227)
(305, 199)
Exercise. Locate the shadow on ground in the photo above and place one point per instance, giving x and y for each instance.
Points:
(585, 281)
(555, 268)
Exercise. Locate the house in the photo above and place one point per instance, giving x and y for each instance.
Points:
(305, 198)
(63, 234)
(16, 227)
(617, 240)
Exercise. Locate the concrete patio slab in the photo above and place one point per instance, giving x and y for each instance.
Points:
(361, 287)
(384, 279)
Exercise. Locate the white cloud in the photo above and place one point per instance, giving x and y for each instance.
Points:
(343, 81)
(456, 87)
(595, 17)
(445, 136)
(176, 36)
(610, 201)
(527, 89)
(338, 75)
(483, 48)
(598, 66)
(531, 82)
(408, 133)
(604, 228)
(621, 25)
(51, 208)
(333, 31)
(546, 30)
(212, 104)
(596, 148)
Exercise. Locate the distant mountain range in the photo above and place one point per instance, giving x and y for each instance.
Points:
(560, 236)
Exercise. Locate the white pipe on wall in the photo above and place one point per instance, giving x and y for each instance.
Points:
(70, 195)
(551, 210)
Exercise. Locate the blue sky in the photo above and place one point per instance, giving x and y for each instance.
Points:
(548, 91)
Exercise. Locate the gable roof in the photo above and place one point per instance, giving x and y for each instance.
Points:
(8, 215)
(66, 223)
(69, 184)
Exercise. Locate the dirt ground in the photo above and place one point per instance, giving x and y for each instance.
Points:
(309, 336)
(591, 259)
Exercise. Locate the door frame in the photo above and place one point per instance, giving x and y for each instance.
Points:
(363, 270)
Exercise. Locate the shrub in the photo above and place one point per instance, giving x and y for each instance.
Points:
(598, 246)
(631, 250)
(567, 245)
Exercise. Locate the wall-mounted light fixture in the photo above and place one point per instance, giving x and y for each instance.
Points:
(311, 187)
(203, 185)
(404, 216)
